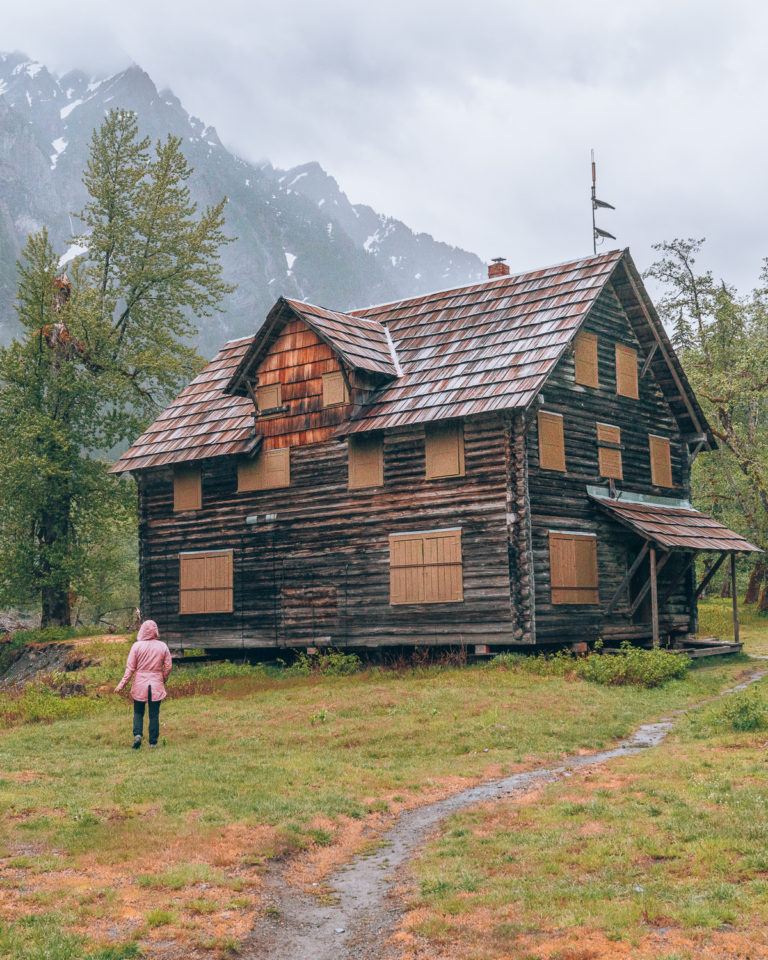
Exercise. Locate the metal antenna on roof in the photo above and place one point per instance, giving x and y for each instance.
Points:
(597, 233)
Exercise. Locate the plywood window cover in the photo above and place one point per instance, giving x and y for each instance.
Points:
(573, 568)
(585, 360)
(444, 450)
(268, 470)
(187, 488)
(660, 452)
(269, 397)
(626, 371)
(335, 390)
(551, 441)
(609, 451)
(205, 582)
(426, 567)
(366, 462)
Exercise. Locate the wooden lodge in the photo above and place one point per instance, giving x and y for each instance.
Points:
(502, 464)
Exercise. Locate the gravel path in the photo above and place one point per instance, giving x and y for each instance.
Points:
(365, 912)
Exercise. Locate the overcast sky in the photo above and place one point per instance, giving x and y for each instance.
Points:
(472, 121)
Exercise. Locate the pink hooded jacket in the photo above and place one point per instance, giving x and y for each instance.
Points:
(150, 661)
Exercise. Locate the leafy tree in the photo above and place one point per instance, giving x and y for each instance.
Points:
(98, 355)
(722, 339)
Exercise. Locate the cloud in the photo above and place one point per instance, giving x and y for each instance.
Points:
(472, 121)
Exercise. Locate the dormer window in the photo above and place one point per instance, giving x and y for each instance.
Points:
(334, 389)
(269, 398)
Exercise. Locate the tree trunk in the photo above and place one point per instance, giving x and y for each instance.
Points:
(725, 590)
(54, 532)
(56, 611)
(763, 604)
(756, 581)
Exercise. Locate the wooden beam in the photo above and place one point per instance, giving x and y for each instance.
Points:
(647, 585)
(734, 599)
(709, 574)
(627, 577)
(648, 359)
(654, 598)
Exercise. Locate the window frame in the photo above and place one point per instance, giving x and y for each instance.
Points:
(606, 446)
(429, 575)
(432, 438)
(334, 377)
(274, 409)
(255, 468)
(654, 440)
(354, 465)
(591, 363)
(625, 349)
(226, 607)
(190, 471)
(593, 588)
(553, 417)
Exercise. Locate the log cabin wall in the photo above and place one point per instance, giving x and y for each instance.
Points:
(319, 572)
(559, 500)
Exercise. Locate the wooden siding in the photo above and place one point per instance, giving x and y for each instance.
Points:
(315, 567)
(298, 361)
(558, 501)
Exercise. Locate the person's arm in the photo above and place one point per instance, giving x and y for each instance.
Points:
(130, 668)
(167, 664)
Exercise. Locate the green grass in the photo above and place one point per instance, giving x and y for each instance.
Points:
(716, 620)
(673, 840)
(257, 764)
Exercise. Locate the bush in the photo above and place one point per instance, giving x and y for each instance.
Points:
(633, 666)
(330, 664)
(745, 711)
(560, 664)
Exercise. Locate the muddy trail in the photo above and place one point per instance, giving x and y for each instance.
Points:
(361, 911)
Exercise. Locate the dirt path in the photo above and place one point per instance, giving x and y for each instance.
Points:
(363, 913)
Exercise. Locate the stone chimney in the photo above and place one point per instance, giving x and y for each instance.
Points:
(498, 267)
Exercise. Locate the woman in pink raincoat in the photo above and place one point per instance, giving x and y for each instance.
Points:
(150, 663)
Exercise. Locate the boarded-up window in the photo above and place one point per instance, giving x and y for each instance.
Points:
(334, 389)
(573, 568)
(444, 450)
(585, 360)
(425, 567)
(366, 462)
(551, 441)
(205, 582)
(609, 451)
(269, 470)
(661, 461)
(187, 488)
(269, 397)
(626, 371)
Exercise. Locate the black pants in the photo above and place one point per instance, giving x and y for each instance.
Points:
(154, 717)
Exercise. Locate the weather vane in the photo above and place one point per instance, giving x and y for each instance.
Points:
(597, 232)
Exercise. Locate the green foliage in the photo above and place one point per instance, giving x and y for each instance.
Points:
(333, 663)
(55, 634)
(745, 711)
(632, 666)
(635, 666)
(93, 367)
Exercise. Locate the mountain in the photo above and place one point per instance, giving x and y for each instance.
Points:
(297, 232)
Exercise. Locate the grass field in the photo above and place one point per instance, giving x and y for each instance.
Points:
(107, 853)
(661, 856)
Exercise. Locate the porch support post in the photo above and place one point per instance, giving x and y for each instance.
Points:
(654, 598)
(734, 599)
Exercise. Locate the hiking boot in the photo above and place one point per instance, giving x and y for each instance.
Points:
(137, 742)
(152, 746)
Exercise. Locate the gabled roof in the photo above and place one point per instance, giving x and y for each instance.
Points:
(455, 353)
(672, 526)
(486, 347)
(361, 344)
(201, 422)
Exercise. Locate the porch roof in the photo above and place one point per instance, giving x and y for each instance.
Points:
(675, 527)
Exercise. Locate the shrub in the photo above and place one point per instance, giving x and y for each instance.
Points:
(560, 664)
(333, 663)
(745, 711)
(633, 666)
